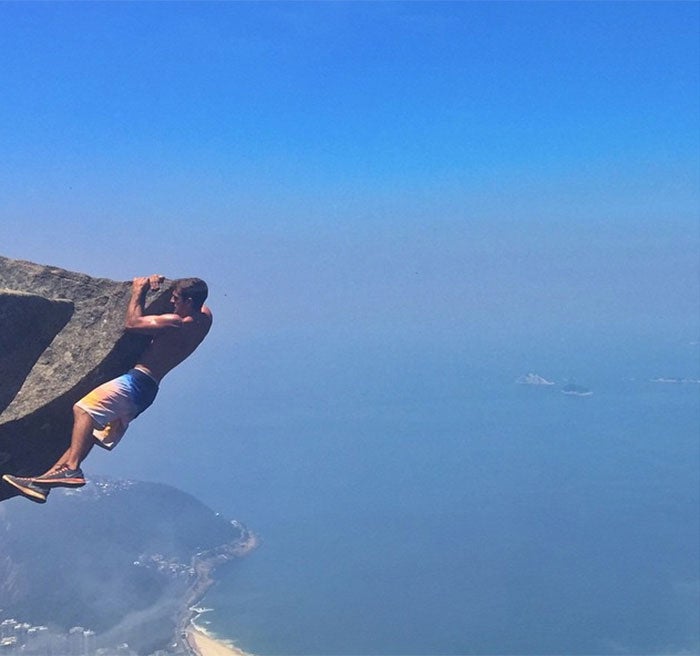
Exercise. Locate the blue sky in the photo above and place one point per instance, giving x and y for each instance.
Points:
(354, 168)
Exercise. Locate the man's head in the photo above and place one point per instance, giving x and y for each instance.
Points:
(190, 290)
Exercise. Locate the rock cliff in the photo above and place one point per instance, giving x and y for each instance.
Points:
(61, 335)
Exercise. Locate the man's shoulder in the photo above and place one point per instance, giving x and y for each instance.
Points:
(207, 317)
(200, 322)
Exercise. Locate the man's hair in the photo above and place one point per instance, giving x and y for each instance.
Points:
(193, 288)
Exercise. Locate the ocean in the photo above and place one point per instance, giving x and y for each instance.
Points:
(454, 513)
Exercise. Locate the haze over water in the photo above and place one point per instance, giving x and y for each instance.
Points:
(451, 511)
(400, 208)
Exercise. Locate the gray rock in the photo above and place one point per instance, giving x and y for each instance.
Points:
(28, 324)
(61, 336)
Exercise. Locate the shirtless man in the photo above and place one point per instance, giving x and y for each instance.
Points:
(102, 416)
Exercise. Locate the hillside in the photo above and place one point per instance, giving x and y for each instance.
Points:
(115, 557)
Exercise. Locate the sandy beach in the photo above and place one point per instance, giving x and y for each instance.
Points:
(197, 638)
(204, 645)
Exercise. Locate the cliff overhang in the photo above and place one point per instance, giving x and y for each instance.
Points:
(61, 335)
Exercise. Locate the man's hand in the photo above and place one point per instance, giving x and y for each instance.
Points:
(155, 281)
(152, 282)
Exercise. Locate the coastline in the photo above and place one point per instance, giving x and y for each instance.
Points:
(204, 645)
(193, 638)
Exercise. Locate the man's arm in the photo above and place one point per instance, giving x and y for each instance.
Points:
(136, 321)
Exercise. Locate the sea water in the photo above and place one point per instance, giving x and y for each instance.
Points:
(475, 516)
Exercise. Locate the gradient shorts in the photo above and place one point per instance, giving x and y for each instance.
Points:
(115, 403)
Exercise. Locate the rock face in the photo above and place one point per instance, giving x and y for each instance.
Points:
(28, 324)
(61, 335)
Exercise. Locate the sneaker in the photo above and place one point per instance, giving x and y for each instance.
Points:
(61, 477)
(33, 491)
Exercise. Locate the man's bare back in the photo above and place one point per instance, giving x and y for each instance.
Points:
(175, 335)
(170, 347)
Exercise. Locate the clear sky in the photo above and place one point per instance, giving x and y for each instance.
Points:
(363, 168)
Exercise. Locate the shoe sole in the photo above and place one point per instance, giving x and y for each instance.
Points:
(32, 495)
(56, 482)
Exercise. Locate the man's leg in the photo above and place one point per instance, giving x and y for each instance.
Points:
(81, 440)
(67, 470)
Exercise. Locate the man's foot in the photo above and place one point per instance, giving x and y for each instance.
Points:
(33, 491)
(61, 476)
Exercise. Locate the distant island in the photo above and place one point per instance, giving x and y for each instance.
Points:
(536, 380)
(147, 551)
(533, 379)
(576, 390)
